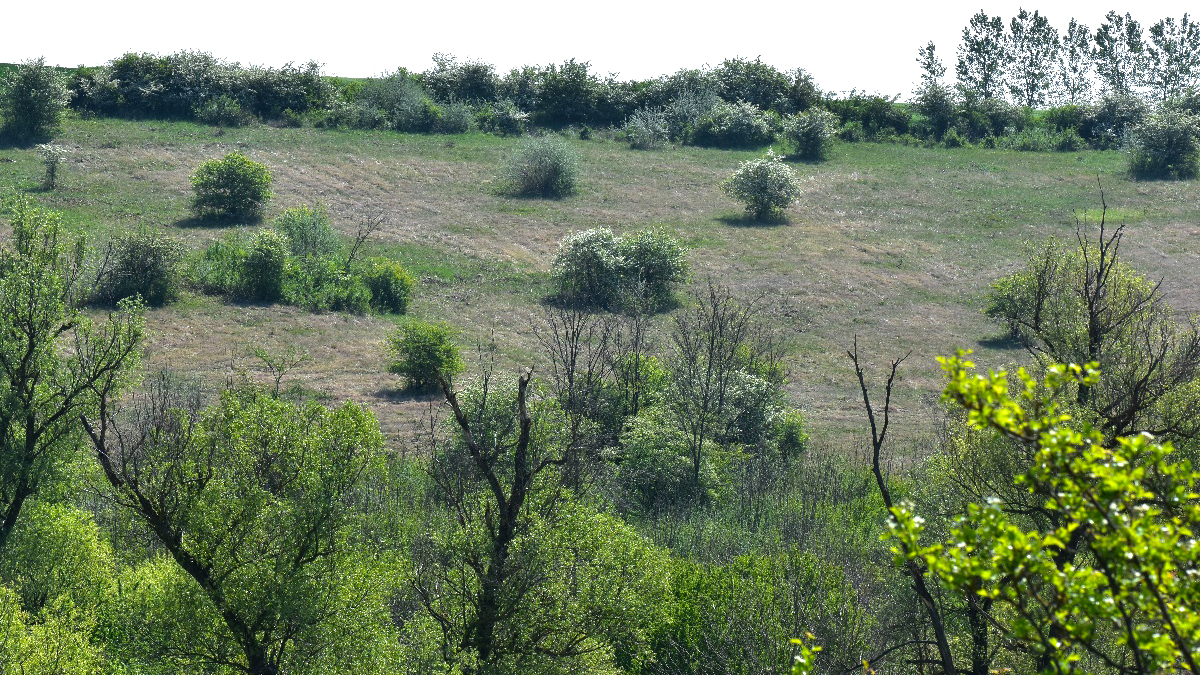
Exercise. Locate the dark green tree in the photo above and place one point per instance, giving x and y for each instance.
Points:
(1073, 80)
(1119, 54)
(1173, 57)
(33, 99)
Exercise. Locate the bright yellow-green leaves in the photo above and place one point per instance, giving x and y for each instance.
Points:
(1136, 588)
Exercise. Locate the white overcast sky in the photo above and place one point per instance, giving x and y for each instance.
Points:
(845, 44)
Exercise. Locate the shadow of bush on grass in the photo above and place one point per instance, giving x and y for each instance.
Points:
(746, 220)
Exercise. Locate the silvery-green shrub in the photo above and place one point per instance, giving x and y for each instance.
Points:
(766, 186)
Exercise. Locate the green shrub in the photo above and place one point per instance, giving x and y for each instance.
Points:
(585, 267)
(421, 350)
(222, 111)
(219, 270)
(234, 186)
(1108, 124)
(595, 268)
(308, 232)
(811, 133)
(543, 167)
(52, 156)
(1166, 145)
(647, 129)
(766, 186)
(502, 117)
(391, 285)
(877, 115)
(263, 267)
(457, 118)
(143, 263)
(734, 125)
(650, 263)
(952, 139)
(32, 101)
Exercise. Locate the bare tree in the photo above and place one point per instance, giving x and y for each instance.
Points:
(915, 571)
(713, 341)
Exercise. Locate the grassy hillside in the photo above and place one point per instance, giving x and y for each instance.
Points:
(895, 244)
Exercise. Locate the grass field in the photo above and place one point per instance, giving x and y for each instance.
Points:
(895, 244)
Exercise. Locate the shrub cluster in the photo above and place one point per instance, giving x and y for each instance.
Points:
(766, 186)
(145, 264)
(736, 125)
(300, 261)
(637, 271)
(811, 133)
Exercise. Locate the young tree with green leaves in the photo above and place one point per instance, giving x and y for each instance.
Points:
(1119, 54)
(1034, 47)
(250, 498)
(983, 57)
(56, 363)
(522, 578)
(1173, 57)
(1132, 604)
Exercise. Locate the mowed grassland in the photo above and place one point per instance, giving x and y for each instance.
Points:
(894, 244)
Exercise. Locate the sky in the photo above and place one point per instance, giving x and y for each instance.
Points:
(865, 45)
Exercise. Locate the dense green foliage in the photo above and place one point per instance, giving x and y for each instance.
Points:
(646, 497)
(33, 99)
(638, 270)
(144, 264)
(422, 352)
(234, 186)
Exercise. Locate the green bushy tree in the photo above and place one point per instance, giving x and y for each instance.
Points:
(1131, 600)
(33, 99)
(56, 363)
(233, 187)
(422, 352)
(251, 499)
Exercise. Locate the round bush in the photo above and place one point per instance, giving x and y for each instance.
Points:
(586, 267)
(544, 167)
(1166, 145)
(262, 271)
(765, 185)
(595, 268)
(308, 232)
(234, 186)
(651, 263)
(421, 350)
(143, 263)
(811, 133)
(390, 284)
